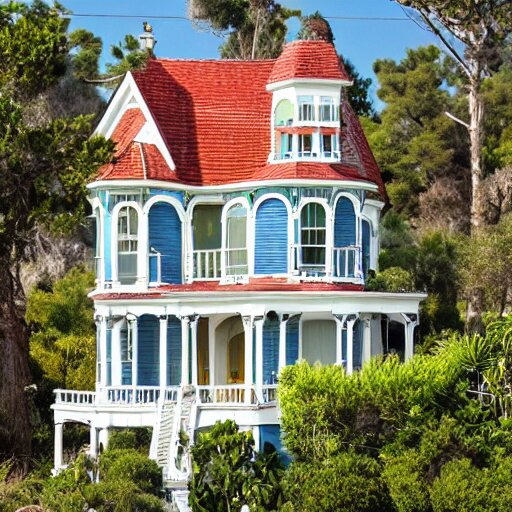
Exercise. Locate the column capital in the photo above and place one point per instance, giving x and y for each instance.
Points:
(163, 318)
(410, 317)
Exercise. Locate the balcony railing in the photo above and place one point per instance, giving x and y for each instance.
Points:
(117, 395)
(207, 264)
(234, 394)
(346, 262)
(269, 393)
(155, 267)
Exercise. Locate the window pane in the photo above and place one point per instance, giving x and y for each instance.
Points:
(207, 227)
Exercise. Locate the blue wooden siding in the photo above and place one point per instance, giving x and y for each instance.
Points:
(270, 440)
(270, 350)
(292, 341)
(366, 246)
(344, 235)
(358, 345)
(271, 245)
(109, 357)
(165, 238)
(148, 343)
(173, 351)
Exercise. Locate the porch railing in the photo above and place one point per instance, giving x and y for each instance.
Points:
(345, 262)
(228, 394)
(69, 396)
(269, 393)
(207, 264)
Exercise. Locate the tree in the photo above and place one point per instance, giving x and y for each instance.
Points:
(256, 28)
(45, 163)
(481, 27)
(228, 473)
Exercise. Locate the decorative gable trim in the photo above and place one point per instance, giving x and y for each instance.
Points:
(129, 96)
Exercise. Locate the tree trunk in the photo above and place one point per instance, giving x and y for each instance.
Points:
(476, 114)
(16, 428)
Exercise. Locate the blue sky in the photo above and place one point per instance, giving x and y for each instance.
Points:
(361, 41)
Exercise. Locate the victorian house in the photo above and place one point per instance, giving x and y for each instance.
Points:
(236, 227)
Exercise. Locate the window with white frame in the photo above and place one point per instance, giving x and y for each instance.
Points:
(306, 108)
(329, 109)
(305, 145)
(127, 243)
(330, 146)
(236, 241)
(313, 235)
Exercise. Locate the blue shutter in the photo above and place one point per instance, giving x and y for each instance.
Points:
(366, 247)
(344, 235)
(148, 343)
(107, 238)
(109, 357)
(270, 350)
(271, 245)
(292, 341)
(173, 351)
(165, 238)
(358, 345)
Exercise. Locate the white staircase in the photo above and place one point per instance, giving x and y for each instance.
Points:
(166, 421)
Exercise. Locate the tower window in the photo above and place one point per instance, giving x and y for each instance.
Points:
(306, 108)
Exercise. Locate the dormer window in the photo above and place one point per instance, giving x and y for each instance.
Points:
(306, 108)
(236, 241)
(329, 109)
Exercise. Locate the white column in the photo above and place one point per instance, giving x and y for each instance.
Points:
(258, 322)
(367, 337)
(103, 437)
(340, 322)
(211, 353)
(351, 320)
(93, 445)
(411, 321)
(163, 355)
(133, 332)
(57, 454)
(184, 350)
(282, 341)
(193, 334)
(103, 351)
(247, 321)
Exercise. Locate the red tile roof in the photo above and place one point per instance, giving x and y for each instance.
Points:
(214, 116)
(254, 285)
(308, 59)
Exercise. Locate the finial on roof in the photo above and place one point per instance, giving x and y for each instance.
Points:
(147, 39)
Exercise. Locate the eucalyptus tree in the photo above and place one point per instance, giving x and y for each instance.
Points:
(480, 26)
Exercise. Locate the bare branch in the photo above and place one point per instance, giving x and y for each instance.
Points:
(103, 80)
(457, 120)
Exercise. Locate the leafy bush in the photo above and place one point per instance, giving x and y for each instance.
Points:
(392, 279)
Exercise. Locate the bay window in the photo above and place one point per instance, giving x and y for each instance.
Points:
(127, 244)
(306, 108)
(329, 110)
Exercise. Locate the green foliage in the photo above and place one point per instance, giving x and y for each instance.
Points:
(227, 473)
(135, 438)
(392, 279)
(63, 341)
(358, 92)
(346, 482)
(128, 55)
(256, 29)
(130, 464)
(486, 258)
(87, 50)
(315, 27)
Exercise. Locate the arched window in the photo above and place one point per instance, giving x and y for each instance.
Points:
(313, 236)
(127, 245)
(236, 241)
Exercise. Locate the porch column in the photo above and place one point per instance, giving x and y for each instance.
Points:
(194, 319)
(57, 454)
(248, 325)
(103, 436)
(351, 320)
(367, 337)
(184, 349)
(103, 350)
(211, 352)
(282, 340)
(93, 445)
(410, 321)
(163, 355)
(258, 322)
(340, 323)
(133, 334)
